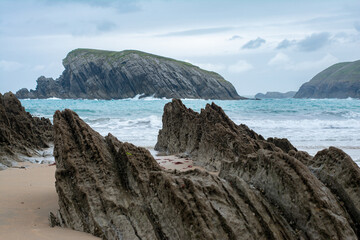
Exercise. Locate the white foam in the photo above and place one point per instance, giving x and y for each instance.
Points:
(53, 98)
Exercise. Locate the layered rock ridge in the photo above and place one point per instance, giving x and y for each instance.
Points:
(311, 193)
(20, 133)
(266, 189)
(98, 74)
(115, 190)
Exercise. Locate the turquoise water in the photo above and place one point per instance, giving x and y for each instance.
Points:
(309, 124)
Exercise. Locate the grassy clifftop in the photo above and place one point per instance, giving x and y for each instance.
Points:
(118, 55)
(340, 72)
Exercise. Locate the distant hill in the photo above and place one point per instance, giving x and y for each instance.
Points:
(341, 80)
(99, 74)
(289, 94)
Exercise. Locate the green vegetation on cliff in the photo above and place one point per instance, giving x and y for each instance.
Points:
(101, 74)
(341, 80)
(118, 55)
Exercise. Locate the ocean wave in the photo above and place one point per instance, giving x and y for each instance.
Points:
(53, 98)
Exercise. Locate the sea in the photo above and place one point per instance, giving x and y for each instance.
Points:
(309, 124)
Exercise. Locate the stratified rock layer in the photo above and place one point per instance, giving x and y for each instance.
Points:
(209, 137)
(342, 176)
(97, 74)
(115, 190)
(20, 133)
(273, 166)
(264, 190)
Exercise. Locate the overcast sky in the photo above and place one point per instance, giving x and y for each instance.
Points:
(257, 45)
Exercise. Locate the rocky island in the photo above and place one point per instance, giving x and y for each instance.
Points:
(98, 74)
(341, 80)
(289, 94)
(262, 188)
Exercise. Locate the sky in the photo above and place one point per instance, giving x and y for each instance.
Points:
(258, 45)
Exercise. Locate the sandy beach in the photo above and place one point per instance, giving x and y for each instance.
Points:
(27, 196)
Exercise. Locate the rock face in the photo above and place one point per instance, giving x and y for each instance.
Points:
(289, 94)
(273, 166)
(341, 80)
(209, 137)
(115, 190)
(264, 190)
(96, 74)
(342, 176)
(20, 132)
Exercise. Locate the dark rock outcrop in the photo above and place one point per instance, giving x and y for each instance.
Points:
(342, 176)
(289, 94)
(97, 74)
(208, 137)
(273, 166)
(115, 190)
(341, 80)
(264, 190)
(20, 133)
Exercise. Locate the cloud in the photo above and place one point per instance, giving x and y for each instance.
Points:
(285, 44)
(105, 26)
(322, 63)
(123, 6)
(252, 44)
(357, 26)
(282, 61)
(240, 66)
(235, 37)
(38, 68)
(9, 65)
(211, 67)
(279, 59)
(314, 42)
(194, 32)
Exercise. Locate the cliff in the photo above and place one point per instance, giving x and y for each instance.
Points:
(289, 94)
(341, 80)
(97, 74)
(20, 133)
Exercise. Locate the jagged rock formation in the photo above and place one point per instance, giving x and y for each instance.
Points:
(209, 137)
(115, 190)
(97, 74)
(289, 94)
(341, 80)
(266, 189)
(20, 133)
(342, 176)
